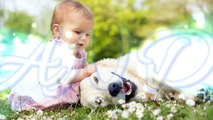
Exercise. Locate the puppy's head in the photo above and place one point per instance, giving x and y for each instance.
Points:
(104, 88)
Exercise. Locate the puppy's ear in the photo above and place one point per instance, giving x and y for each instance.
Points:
(96, 79)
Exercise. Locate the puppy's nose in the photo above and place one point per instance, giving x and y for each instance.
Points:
(114, 89)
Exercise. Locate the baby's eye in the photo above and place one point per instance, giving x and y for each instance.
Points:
(77, 32)
(87, 34)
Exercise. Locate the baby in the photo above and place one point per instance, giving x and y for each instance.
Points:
(71, 26)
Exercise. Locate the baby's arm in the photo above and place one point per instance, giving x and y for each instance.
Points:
(80, 74)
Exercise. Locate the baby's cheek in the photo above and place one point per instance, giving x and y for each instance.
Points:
(68, 34)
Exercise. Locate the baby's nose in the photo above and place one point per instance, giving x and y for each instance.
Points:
(83, 36)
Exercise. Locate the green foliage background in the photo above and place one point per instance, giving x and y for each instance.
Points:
(19, 22)
(120, 26)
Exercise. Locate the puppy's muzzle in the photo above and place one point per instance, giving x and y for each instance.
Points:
(114, 88)
(126, 86)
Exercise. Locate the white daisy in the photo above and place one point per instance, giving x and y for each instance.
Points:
(190, 102)
(132, 104)
(39, 112)
(181, 96)
(139, 115)
(109, 113)
(173, 109)
(170, 116)
(143, 96)
(160, 100)
(168, 105)
(156, 112)
(2, 117)
(160, 118)
(140, 108)
(124, 106)
(125, 114)
(131, 109)
(121, 101)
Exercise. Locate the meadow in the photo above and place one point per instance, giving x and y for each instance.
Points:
(158, 110)
(126, 24)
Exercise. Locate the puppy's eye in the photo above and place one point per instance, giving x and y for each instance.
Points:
(98, 101)
(95, 79)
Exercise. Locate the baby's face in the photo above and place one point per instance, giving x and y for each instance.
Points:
(76, 30)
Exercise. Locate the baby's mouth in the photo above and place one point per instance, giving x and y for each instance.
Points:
(80, 44)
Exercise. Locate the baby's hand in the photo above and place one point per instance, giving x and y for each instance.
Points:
(90, 69)
(81, 74)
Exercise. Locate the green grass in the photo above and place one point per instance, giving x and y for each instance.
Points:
(75, 112)
(180, 111)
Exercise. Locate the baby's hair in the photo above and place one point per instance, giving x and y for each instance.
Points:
(62, 8)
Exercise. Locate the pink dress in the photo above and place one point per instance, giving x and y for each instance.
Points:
(32, 93)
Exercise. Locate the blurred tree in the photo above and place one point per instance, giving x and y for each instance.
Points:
(1, 9)
(120, 26)
(206, 7)
(1, 13)
(43, 25)
(19, 22)
(43, 21)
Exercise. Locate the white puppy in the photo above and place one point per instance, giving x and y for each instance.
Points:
(115, 80)
(178, 63)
